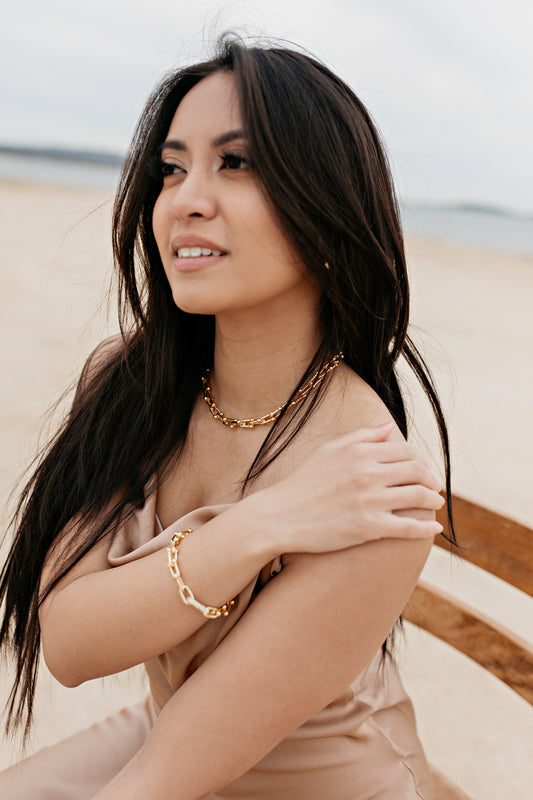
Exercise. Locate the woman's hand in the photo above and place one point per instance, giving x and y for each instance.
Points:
(354, 489)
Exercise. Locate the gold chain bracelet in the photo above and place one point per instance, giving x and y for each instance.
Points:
(185, 591)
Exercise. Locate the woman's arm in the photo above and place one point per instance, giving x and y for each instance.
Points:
(101, 620)
(307, 635)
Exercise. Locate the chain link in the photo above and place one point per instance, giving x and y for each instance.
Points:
(186, 593)
(272, 416)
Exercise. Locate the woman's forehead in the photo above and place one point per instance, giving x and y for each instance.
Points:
(209, 109)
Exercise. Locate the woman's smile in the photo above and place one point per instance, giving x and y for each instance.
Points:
(193, 253)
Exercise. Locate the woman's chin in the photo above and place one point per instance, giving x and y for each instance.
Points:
(195, 305)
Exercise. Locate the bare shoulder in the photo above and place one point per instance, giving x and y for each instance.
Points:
(350, 403)
(102, 354)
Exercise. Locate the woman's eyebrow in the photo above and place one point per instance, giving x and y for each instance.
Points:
(223, 138)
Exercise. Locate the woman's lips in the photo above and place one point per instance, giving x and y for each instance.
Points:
(187, 257)
(196, 263)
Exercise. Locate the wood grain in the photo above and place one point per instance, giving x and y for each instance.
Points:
(493, 542)
(504, 548)
(491, 645)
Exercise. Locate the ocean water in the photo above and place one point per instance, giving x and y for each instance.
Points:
(91, 171)
(493, 229)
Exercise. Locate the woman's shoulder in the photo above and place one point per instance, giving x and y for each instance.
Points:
(99, 358)
(104, 352)
(350, 403)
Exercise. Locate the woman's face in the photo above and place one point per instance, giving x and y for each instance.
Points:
(220, 245)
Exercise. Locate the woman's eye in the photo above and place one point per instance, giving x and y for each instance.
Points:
(159, 169)
(233, 161)
(167, 168)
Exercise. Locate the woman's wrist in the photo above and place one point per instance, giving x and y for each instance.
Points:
(255, 527)
(220, 558)
(265, 526)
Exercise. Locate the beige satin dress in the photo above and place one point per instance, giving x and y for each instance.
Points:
(362, 746)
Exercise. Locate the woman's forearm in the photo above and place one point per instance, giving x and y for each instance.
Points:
(111, 619)
(100, 620)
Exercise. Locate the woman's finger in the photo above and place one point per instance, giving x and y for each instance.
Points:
(416, 496)
(406, 473)
(410, 528)
(377, 433)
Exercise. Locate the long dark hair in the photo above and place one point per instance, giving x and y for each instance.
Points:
(319, 160)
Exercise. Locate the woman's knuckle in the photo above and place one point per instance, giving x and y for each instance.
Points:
(354, 449)
(411, 451)
(366, 477)
(420, 495)
(421, 472)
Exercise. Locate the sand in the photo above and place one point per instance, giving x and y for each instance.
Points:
(472, 312)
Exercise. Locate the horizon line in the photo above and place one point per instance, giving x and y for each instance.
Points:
(116, 159)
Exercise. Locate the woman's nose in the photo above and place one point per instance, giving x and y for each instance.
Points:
(194, 197)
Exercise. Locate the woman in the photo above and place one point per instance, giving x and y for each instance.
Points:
(250, 423)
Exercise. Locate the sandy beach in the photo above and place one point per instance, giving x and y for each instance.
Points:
(472, 321)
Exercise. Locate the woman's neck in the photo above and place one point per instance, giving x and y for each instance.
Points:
(259, 359)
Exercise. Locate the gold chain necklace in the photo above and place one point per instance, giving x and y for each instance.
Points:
(302, 393)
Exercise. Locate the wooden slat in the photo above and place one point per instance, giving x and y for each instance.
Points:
(444, 788)
(504, 548)
(500, 651)
(493, 542)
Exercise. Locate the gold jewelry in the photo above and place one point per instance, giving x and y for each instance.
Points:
(326, 264)
(185, 591)
(302, 393)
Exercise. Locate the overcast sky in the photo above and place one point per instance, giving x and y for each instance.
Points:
(449, 82)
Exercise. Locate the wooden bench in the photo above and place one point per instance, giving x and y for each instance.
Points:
(504, 548)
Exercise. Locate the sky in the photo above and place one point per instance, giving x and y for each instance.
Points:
(449, 82)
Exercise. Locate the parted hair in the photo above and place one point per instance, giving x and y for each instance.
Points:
(318, 158)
